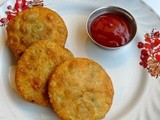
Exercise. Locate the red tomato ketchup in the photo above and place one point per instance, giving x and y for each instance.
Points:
(111, 30)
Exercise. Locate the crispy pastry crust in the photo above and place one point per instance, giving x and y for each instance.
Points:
(35, 67)
(80, 89)
(37, 23)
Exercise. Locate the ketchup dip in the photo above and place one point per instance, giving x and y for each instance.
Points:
(113, 28)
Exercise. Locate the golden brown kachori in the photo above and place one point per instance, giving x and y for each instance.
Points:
(80, 89)
(35, 67)
(37, 23)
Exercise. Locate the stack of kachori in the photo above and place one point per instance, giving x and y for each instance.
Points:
(47, 73)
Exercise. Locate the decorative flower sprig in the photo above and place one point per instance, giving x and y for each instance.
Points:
(19, 6)
(150, 53)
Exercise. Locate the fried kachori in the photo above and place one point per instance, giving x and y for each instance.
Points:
(35, 67)
(80, 89)
(34, 24)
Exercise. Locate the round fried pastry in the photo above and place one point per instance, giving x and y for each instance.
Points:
(37, 23)
(80, 89)
(35, 67)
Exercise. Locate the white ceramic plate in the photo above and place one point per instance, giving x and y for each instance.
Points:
(2, 2)
(137, 95)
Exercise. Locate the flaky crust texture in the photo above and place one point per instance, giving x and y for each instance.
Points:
(80, 89)
(35, 68)
(37, 23)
